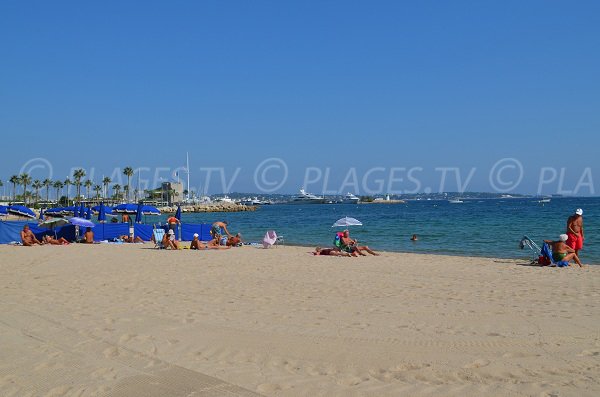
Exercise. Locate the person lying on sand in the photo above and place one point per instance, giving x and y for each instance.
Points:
(54, 241)
(351, 245)
(234, 241)
(129, 239)
(28, 239)
(561, 251)
(213, 244)
(330, 251)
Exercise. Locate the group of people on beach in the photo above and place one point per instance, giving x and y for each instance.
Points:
(221, 238)
(28, 239)
(345, 247)
(567, 247)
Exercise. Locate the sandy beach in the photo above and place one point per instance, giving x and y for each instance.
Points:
(127, 320)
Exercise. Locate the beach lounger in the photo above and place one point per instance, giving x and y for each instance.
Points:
(159, 234)
(270, 239)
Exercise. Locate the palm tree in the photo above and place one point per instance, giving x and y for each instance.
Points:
(58, 185)
(68, 183)
(37, 185)
(47, 183)
(128, 171)
(106, 181)
(15, 181)
(25, 180)
(97, 189)
(88, 184)
(78, 175)
(126, 192)
(117, 189)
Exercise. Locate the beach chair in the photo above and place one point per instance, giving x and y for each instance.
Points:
(546, 252)
(270, 239)
(159, 234)
(526, 242)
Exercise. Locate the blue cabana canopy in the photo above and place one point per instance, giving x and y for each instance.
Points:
(21, 211)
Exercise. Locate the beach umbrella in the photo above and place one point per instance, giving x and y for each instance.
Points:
(347, 221)
(107, 210)
(81, 222)
(88, 213)
(3, 210)
(81, 211)
(126, 209)
(53, 222)
(150, 210)
(41, 214)
(101, 209)
(138, 213)
(21, 211)
(178, 213)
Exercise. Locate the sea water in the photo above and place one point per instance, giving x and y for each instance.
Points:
(491, 228)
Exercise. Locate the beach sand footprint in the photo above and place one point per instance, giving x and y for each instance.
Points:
(479, 363)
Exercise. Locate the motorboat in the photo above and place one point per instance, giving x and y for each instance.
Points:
(350, 199)
(307, 198)
(455, 201)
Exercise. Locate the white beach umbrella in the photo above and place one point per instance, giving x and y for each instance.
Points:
(347, 221)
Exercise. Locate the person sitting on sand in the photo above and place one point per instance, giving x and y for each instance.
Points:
(28, 239)
(234, 241)
(128, 239)
(218, 229)
(351, 245)
(330, 251)
(561, 251)
(54, 241)
(169, 240)
(88, 236)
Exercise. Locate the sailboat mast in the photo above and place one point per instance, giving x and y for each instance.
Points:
(187, 169)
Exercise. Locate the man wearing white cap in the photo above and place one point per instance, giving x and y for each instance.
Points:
(575, 230)
(169, 240)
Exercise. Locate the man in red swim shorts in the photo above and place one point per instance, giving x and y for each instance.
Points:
(575, 230)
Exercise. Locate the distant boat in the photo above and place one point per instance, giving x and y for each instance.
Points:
(544, 200)
(307, 198)
(224, 199)
(350, 199)
(455, 201)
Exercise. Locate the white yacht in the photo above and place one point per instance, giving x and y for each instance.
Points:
(224, 199)
(456, 201)
(307, 198)
(350, 199)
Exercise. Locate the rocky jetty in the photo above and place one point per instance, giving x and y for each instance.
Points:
(210, 207)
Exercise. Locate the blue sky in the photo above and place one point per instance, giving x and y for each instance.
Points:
(343, 85)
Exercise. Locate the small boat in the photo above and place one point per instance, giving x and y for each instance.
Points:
(544, 200)
(455, 201)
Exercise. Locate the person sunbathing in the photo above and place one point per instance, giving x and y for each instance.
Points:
(330, 251)
(169, 240)
(28, 239)
(129, 239)
(351, 245)
(54, 241)
(234, 241)
(561, 251)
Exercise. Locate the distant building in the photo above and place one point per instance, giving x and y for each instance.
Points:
(172, 192)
